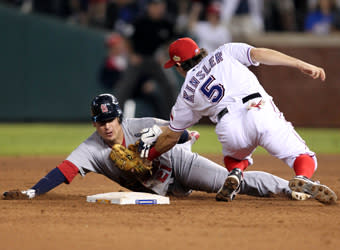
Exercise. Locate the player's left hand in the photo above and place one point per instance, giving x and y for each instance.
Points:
(148, 138)
(19, 195)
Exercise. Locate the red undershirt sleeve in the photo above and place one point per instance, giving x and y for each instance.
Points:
(69, 170)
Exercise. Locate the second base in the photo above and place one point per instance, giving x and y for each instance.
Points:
(128, 198)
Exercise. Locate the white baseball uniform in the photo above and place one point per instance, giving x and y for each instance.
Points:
(180, 170)
(223, 88)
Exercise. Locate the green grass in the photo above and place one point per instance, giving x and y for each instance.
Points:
(61, 139)
(42, 139)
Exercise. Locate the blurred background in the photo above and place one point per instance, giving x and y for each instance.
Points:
(56, 55)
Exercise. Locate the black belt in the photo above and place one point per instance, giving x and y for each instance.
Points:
(251, 96)
(221, 114)
(244, 100)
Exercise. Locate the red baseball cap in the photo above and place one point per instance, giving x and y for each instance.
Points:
(181, 50)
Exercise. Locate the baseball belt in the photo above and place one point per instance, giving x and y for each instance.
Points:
(244, 100)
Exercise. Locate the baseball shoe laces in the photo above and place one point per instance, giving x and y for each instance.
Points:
(316, 190)
(231, 186)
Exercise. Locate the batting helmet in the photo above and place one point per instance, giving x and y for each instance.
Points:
(105, 107)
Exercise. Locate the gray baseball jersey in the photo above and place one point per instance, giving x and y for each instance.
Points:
(179, 171)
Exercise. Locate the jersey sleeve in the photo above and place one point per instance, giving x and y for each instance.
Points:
(69, 170)
(241, 52)
(182, 116)
(83, 159)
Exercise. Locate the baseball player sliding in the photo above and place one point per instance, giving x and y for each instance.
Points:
(220, 85)
(176, 172)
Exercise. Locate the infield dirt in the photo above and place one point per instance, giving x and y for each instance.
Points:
(62, 219)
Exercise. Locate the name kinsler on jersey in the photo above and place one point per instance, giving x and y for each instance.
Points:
(200, 75)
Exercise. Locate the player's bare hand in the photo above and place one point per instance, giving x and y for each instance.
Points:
(313, 71)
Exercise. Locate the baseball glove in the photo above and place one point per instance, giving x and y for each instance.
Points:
(128, 159)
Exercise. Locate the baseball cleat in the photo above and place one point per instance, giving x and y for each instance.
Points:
(300, 196)
(231, 186)
(318, 191)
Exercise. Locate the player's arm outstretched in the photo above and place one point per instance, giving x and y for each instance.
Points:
(273, 57)
(165, 141)
(64, 173)
(157, 140)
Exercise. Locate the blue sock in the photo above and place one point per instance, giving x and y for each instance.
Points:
(54, 178)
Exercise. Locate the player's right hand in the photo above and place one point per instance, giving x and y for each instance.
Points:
(148, 138)
(144, 149)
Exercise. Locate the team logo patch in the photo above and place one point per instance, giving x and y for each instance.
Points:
(176, 58)
(104, 108)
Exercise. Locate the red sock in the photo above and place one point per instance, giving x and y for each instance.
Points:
(231, 163)
(304, 165)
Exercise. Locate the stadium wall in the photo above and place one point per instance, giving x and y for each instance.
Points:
(48, 69)
(303, 100)
(48, 72)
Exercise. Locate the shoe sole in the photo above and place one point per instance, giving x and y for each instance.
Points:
(318, 191)
(227, 192)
